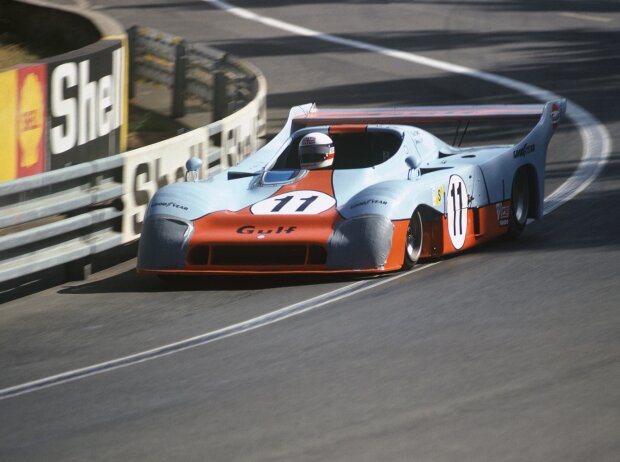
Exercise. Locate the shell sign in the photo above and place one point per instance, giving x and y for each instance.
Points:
(23, 97)
(8, 109)
(31, 120)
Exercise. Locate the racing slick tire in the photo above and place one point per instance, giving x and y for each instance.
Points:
(413, 241)
(520, 203)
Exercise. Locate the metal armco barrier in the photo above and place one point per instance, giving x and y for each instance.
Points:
(66, 215)
(212, 76)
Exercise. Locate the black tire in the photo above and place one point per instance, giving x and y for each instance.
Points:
(520, 203)
(413, 241)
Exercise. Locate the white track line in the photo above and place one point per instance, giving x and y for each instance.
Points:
(586, 17)
(596, 150)
(209, 337)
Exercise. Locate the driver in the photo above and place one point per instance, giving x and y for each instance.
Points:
(316, 150)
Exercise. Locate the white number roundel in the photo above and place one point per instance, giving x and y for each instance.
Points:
(294, 203)
(457, 211)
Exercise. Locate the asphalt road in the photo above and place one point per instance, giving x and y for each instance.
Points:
(510, 352)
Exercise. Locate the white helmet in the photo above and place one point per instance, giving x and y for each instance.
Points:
(316, 150)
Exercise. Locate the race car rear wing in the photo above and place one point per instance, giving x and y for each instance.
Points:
(309, 115)
(428, 114)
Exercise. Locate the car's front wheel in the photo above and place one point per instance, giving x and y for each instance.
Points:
(413, 241)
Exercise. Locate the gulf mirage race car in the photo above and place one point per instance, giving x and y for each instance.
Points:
(352, 190)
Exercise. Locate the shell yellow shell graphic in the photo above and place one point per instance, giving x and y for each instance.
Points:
(30, 120)
(438, 196)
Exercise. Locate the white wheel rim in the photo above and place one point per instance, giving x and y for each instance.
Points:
(414, 238)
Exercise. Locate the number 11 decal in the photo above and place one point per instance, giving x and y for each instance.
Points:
(294, 203)
(457, 211)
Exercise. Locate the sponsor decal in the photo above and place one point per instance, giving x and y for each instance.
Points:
(524, 151)
(169, 204)
(307, 140)
(31, 120)
(294, 203)
(503, 213)
(457, 211)
(23, 121)
(8, 122)
(437, 195)
(260, 233)
(86, 105)
(369, 202)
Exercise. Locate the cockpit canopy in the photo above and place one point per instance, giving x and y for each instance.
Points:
(355, 146)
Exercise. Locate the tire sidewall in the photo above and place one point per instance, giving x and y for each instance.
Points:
(415, 223)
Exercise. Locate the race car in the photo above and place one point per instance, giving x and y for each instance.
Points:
(352, 190)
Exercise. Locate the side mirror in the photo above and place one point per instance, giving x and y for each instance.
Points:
(412, 163)
(193, 167)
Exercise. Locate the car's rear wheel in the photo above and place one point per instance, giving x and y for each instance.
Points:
(413, 241)
(520, 203)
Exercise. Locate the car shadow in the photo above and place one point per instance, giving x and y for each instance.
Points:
(132, 282)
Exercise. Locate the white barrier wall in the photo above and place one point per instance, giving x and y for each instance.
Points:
(152, 167)
(240, 132)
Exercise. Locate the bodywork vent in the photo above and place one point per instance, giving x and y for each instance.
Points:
(262, 255)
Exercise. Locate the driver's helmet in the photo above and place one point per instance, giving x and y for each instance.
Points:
(316, 150)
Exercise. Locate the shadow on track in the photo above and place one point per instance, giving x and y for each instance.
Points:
(132, 282)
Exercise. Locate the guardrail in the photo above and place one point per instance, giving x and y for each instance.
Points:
(70, 214)
(191, 71)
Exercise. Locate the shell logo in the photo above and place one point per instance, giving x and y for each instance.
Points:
(30, 120)
(438, 195)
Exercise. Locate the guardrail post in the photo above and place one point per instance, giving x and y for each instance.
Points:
(79, 270)
(132, 35)
(179, 85)
(220, 97)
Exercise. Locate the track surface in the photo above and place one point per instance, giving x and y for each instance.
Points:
(510, 352)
